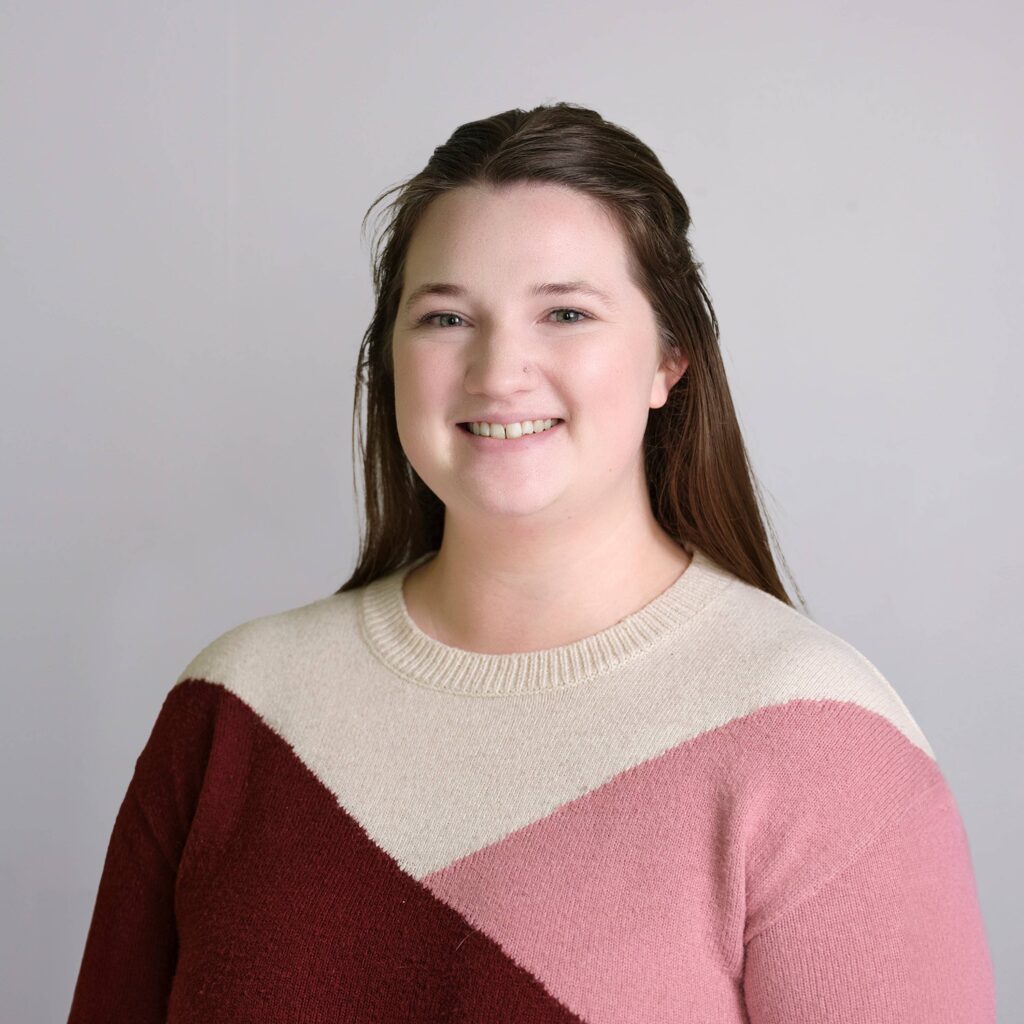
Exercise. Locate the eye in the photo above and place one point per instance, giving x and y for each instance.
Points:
(579, 313)
(424, 320)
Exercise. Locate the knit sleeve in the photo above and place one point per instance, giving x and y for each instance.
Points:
(131, 947)
(894, 936)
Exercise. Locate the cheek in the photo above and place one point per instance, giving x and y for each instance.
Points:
(420, 384)
(416, 405)
(427, 395)
(610, 390)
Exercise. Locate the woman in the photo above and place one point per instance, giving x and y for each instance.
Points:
(561, 748)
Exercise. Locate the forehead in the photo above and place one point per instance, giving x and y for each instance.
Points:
(526, 230)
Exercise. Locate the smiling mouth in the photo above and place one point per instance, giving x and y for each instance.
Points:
(556, 422)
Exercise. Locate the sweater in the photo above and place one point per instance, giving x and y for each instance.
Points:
(713, 811)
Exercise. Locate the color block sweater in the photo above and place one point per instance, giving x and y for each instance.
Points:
(713, 811)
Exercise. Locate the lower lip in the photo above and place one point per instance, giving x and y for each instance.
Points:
(515, 444)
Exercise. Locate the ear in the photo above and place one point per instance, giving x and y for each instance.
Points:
(669, 373)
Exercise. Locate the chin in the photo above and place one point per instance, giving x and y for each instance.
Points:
(513, 506)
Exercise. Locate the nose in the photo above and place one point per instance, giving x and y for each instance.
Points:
(499, 361)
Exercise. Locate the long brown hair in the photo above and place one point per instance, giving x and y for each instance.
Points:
(701, 485)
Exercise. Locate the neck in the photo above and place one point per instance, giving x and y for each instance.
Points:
(488, 595)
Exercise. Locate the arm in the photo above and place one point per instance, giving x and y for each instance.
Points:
(132, 945)
(895, 937)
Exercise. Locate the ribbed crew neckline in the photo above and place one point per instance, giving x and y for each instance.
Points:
(409, 652)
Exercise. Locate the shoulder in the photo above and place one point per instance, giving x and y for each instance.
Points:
(772, 655)
(256, 657)
(194, 765)
(824, 754)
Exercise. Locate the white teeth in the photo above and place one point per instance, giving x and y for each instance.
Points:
(511, 430)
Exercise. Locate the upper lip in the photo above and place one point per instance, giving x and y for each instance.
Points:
(506, 418)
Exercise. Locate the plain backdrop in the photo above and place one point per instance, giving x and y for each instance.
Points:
(184, 287)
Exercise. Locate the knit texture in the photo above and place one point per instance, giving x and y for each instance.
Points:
(713, 811)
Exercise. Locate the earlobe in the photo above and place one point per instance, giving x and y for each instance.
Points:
(675, 368)
(670, 380)
(669, 374)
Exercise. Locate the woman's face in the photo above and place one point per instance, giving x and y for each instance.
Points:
(491, 347)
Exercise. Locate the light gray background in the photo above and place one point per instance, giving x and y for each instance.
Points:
(184, 287)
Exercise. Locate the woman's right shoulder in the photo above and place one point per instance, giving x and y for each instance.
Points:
(256, 652)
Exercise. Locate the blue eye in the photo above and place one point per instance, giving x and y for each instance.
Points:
(424, 320)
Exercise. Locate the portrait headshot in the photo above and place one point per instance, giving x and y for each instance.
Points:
(512, 514)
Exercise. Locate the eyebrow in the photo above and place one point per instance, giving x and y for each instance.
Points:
(551, 288)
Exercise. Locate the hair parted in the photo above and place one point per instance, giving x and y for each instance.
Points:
(701, 485)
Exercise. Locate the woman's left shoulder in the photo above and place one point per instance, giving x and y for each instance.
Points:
(786, 656)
